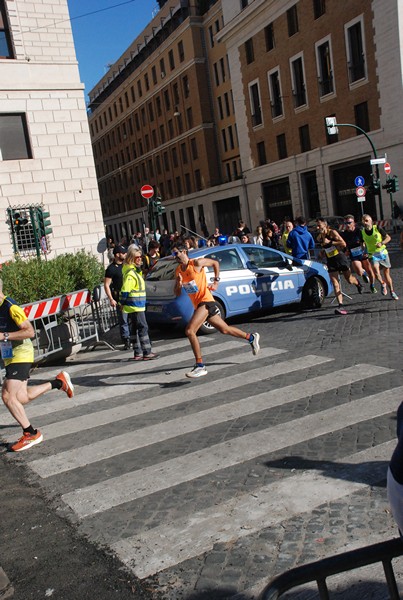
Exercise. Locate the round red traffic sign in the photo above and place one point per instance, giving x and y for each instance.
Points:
(360, 191)
(387, 168)
(147, 191)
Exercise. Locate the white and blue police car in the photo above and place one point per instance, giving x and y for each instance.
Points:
(252, 279)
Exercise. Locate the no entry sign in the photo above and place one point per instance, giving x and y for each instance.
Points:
(387, 168)
(147, 191)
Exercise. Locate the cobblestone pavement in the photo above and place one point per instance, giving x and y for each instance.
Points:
(207, 489)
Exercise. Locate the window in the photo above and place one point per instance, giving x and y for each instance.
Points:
(151, 111)
(162, 68)
(178, 181)
(228, 260)
(14, 139)
(175, 91)
(186, 88)
(189, 117)
(166, 161)
(171, 60)
(319, 8)
(231, 138)
(188, 183)
(224, 140)
(184, 154)
(227, 104)
(25, 228)
(181, 51)
(158, 106)
(324, 67)
(198, 181)
(263, 257)
(298, 82)
(362, 117)
(211, 36)
(174, 153)
(355, 50)
(222, 67)
(250, 56)
(276, 100)
(154, 75)
(193, 147)
(162, 134)
(281, 146)
(304, 138)
(292, 20)
(269, 37)
(254, 96)
(167, 100)
(216, 77)
(139, 89)
(244, 4)
(261, 153)
(170, 188)
(6, 50)
(220, 112)
(170, 129)
(146, 81)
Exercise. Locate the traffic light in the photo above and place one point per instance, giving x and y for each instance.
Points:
(18, 222)
(396, 184)
(44, 224)
(158, 208)
(375, 186)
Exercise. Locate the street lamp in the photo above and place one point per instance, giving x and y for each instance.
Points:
(332, 129)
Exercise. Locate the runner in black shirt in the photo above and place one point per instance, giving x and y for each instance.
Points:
(112, 284)
(355, 251)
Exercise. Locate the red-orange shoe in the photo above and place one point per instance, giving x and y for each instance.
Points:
(26, 441)
(67, 386)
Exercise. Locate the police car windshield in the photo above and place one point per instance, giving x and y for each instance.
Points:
(164, 270)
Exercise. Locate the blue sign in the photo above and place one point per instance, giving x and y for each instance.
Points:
(359, 181)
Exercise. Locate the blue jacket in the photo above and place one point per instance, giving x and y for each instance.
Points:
(300, 241)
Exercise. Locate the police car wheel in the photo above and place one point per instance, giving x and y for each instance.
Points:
(313, 293)
(206, 328)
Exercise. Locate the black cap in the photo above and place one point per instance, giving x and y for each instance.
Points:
(120, 250)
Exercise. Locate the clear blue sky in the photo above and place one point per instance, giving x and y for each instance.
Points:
(102, 37)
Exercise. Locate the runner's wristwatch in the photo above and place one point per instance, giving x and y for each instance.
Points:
(215, 279)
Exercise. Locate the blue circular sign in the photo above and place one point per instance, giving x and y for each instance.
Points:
(359, 181)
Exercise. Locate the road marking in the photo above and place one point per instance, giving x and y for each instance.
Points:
(141, 382)
(117, 490)
(168, 545)
(108, 447)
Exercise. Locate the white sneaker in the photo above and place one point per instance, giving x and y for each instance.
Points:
(197, 372)
(255, 344)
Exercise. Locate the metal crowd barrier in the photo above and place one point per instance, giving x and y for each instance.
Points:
(320, 570)
(63, 324)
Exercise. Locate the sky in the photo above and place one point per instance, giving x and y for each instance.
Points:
(102, 37)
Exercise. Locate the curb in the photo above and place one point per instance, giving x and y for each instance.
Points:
(6, 589)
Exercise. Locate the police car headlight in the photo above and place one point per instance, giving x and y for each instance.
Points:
(325, 267)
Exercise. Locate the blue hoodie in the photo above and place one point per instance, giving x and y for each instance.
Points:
(300, 241)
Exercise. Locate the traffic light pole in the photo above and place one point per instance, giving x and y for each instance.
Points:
(376, 166)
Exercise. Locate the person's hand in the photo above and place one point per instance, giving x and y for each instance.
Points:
(112, 302)
(379, 244)
(213, 286)
(179, 280)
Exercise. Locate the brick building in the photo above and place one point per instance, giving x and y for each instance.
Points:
(46, 160)
(221, 106)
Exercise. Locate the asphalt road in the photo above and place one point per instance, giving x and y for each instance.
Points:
(149, 485)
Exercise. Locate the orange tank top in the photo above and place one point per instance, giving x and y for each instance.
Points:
(195, 284)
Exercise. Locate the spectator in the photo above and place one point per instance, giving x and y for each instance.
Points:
(288, 227)
(258, 237)
(112, 285)
(244, 239)
(242, 228)
(300, 241)
(152, 256)
(396, 213)
(395, 475)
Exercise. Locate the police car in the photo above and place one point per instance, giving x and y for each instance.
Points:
(252, 279)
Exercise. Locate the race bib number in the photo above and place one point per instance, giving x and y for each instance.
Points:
(332, 251)
(6, 350)
(379, 255)
(191, 287)
(356, 251)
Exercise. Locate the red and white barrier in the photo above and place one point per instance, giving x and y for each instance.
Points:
(52, 306)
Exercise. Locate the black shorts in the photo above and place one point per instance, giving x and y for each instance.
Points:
(19, 371)
(338, 263)
(212, 309)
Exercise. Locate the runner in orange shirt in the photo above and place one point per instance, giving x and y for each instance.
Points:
(190, 275)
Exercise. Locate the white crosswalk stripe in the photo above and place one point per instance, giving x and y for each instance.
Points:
(103, 496)
(144, 389)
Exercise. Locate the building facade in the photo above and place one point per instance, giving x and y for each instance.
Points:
(223, 108)
(47, 171)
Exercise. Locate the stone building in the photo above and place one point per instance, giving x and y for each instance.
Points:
(46, 159)
(222, 107)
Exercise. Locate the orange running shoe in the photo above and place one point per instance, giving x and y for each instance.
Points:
(26, 441)
(67, 386)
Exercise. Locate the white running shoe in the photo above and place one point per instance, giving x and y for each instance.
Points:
(255, 344)
(197, 372)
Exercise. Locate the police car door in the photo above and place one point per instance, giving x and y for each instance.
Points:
(236, 288)
(275, 278)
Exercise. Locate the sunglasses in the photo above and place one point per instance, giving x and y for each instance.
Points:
(176, 253)
(349, 222)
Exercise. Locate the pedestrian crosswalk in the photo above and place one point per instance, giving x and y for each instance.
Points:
(160, 469)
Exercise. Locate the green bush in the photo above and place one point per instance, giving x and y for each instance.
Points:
(31, 280)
